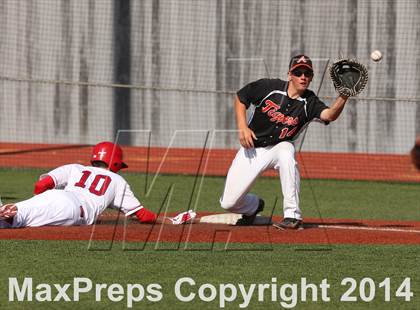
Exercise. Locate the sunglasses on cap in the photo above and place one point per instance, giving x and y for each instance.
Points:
(298, 72)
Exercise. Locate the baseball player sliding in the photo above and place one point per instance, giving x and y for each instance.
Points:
(282, 110)
(76, 195)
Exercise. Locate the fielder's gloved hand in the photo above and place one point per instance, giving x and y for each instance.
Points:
(349, 76)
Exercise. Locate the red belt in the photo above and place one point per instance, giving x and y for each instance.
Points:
(82, 212)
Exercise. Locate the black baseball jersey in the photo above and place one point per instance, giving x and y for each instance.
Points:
(277, 117)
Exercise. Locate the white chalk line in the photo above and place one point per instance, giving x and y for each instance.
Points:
(383, 229)
(231, 218)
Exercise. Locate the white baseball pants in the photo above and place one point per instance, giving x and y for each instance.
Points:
(248, 165)
(53, 207)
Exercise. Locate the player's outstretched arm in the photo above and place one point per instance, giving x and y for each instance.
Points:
(148, 217)
(334, 111)
(145, 216)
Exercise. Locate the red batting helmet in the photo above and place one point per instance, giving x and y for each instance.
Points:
(109, 153)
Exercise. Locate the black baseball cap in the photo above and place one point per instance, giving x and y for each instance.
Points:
(300, 61)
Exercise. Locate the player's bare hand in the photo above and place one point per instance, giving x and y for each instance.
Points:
(247, 137)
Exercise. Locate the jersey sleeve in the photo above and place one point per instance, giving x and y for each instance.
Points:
(315, 107)
(126, 201)
(61, 175)
(44, 184)
(254, 92)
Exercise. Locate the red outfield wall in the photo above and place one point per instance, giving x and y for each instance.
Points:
(345, 166)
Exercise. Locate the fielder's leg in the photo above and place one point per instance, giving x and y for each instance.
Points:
(246, 167)
(290, 179)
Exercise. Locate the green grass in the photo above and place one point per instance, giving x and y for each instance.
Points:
(59, 262)
(319, 198)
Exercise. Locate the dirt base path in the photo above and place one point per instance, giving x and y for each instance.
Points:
(316, 231)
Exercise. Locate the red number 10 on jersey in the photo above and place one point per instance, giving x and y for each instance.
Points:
(93, 188)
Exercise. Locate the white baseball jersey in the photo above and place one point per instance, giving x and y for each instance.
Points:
(96, 189)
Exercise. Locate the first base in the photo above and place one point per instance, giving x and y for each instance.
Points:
(231, 219)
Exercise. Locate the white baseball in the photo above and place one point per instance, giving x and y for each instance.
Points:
(376, 55)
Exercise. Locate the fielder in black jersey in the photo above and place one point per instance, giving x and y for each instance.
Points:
(277, 117)
(282, 109)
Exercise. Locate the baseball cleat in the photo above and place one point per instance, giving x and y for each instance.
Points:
(289, 223)
(4, 224)
(247, 220)
(7, 212)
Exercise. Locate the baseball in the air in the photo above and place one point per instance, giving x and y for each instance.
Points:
(376, 55)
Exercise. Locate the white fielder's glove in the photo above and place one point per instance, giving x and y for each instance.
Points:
(183, 218)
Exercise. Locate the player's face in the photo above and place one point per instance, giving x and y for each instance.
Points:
(301, 77)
